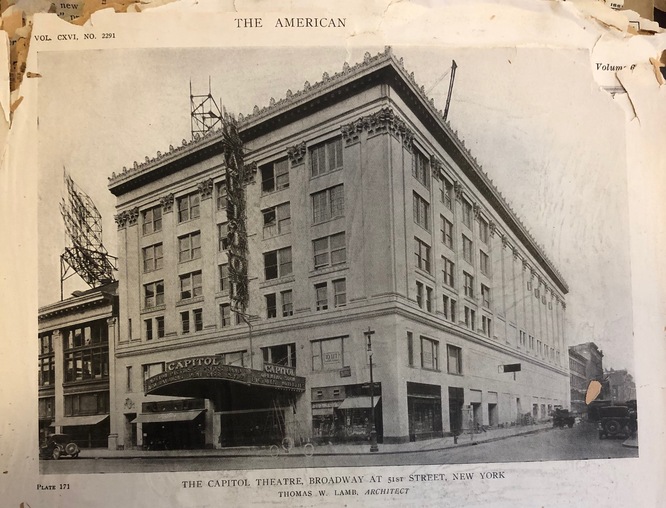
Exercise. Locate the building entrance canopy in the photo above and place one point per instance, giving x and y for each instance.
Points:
(196, 369)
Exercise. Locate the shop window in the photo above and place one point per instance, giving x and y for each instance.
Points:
(421, 168)
(328, 204)
(326, 157)
(191, 285)
(189, 247)
(422, 253)
(188, 207)
(152, 257)
(151, 220)
(454, 359)
(429, 353)
(87, 404)
(421, 210)
(328, 354)
(277, 263)
(277, 220)
(153, 294)
(274, 176)
(283, 354)
(446, 229)
(329, 250)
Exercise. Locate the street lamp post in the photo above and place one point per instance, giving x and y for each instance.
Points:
(373, 430)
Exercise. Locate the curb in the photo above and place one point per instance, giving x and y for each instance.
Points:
(321, 454)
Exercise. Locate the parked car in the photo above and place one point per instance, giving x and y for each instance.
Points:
(617, 420)
(58, 445)
(562, 417)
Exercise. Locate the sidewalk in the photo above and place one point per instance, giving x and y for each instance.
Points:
(328, 449)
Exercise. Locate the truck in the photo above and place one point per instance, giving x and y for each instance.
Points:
(562, 417)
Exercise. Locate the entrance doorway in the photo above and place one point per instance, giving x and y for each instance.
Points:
(456, 401)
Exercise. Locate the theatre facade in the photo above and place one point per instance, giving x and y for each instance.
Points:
(365, 213)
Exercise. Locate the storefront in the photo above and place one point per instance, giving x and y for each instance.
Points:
(424, 409)
(344, 413)
(86, 431)
(172, 424)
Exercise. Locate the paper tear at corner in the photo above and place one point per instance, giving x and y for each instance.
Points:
(659, 65)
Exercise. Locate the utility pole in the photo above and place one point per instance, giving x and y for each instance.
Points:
(373, 431)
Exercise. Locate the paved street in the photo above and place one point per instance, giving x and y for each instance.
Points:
(580, 442)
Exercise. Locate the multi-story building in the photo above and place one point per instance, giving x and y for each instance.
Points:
(579, 382)
(365, 213)
(76, 339)
(621, 385)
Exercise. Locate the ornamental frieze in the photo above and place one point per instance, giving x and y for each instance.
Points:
(133, 216)
(121, 219)
(205, 188)
(167, 203)
(297, 153)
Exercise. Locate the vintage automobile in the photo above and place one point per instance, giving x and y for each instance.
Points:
(617, 420)
(58, 445)
(562, 417)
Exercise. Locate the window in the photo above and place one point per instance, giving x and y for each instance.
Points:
(536, 293)
(467, 213)
(470, 318)
(486, 326)
(128, 378)
(326, 157)
(523, 338)
(96, 403)
(150, 331)
(152, 369)
(188, 207)
(221, 195)
(467, 249)
(447, 232)
(198, 319)
(277, 220)
(428, 301)
(328, 354)
(185, 321)
(454, 359)
(468, 285)
(274, 176)
(429, 353)
(46, 360)
(420, 168)
(483, 230)
(321, 296)
(189, 247)
(422, 252)
(419, 294)
(339, 293)
(449, 272)
(531, 342)
(223, 271)
(153, 294)
(539, 347)
(151, 220)
(237, 358)
(152, 257)
(447, 193)
(328, 204)
(271, 306)
(330, 250)
(223, 236)
(190, 285)
(410, 349)
(484, 263)
(449, 308)
(421, 212)
(225, 314)
(284, 354)
(86, 352)
(485, 296)
(529, 285)
(287, 303)
(277, 263)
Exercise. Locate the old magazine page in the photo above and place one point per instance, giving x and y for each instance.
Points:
(405, 254)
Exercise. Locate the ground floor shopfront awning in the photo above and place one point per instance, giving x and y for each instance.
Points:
(77, 421)
(168, 416)
(362, 402)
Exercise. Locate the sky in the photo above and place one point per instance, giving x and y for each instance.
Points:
(552, 142)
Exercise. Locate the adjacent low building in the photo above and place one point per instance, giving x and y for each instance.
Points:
(365, 213)
(76, 340)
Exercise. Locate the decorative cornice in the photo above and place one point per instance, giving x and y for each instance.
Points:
(526, 265)
(205, 188)
(384, 120)
(297, 153)
(167, 202)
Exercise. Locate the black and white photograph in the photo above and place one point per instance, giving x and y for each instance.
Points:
(337, 274)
